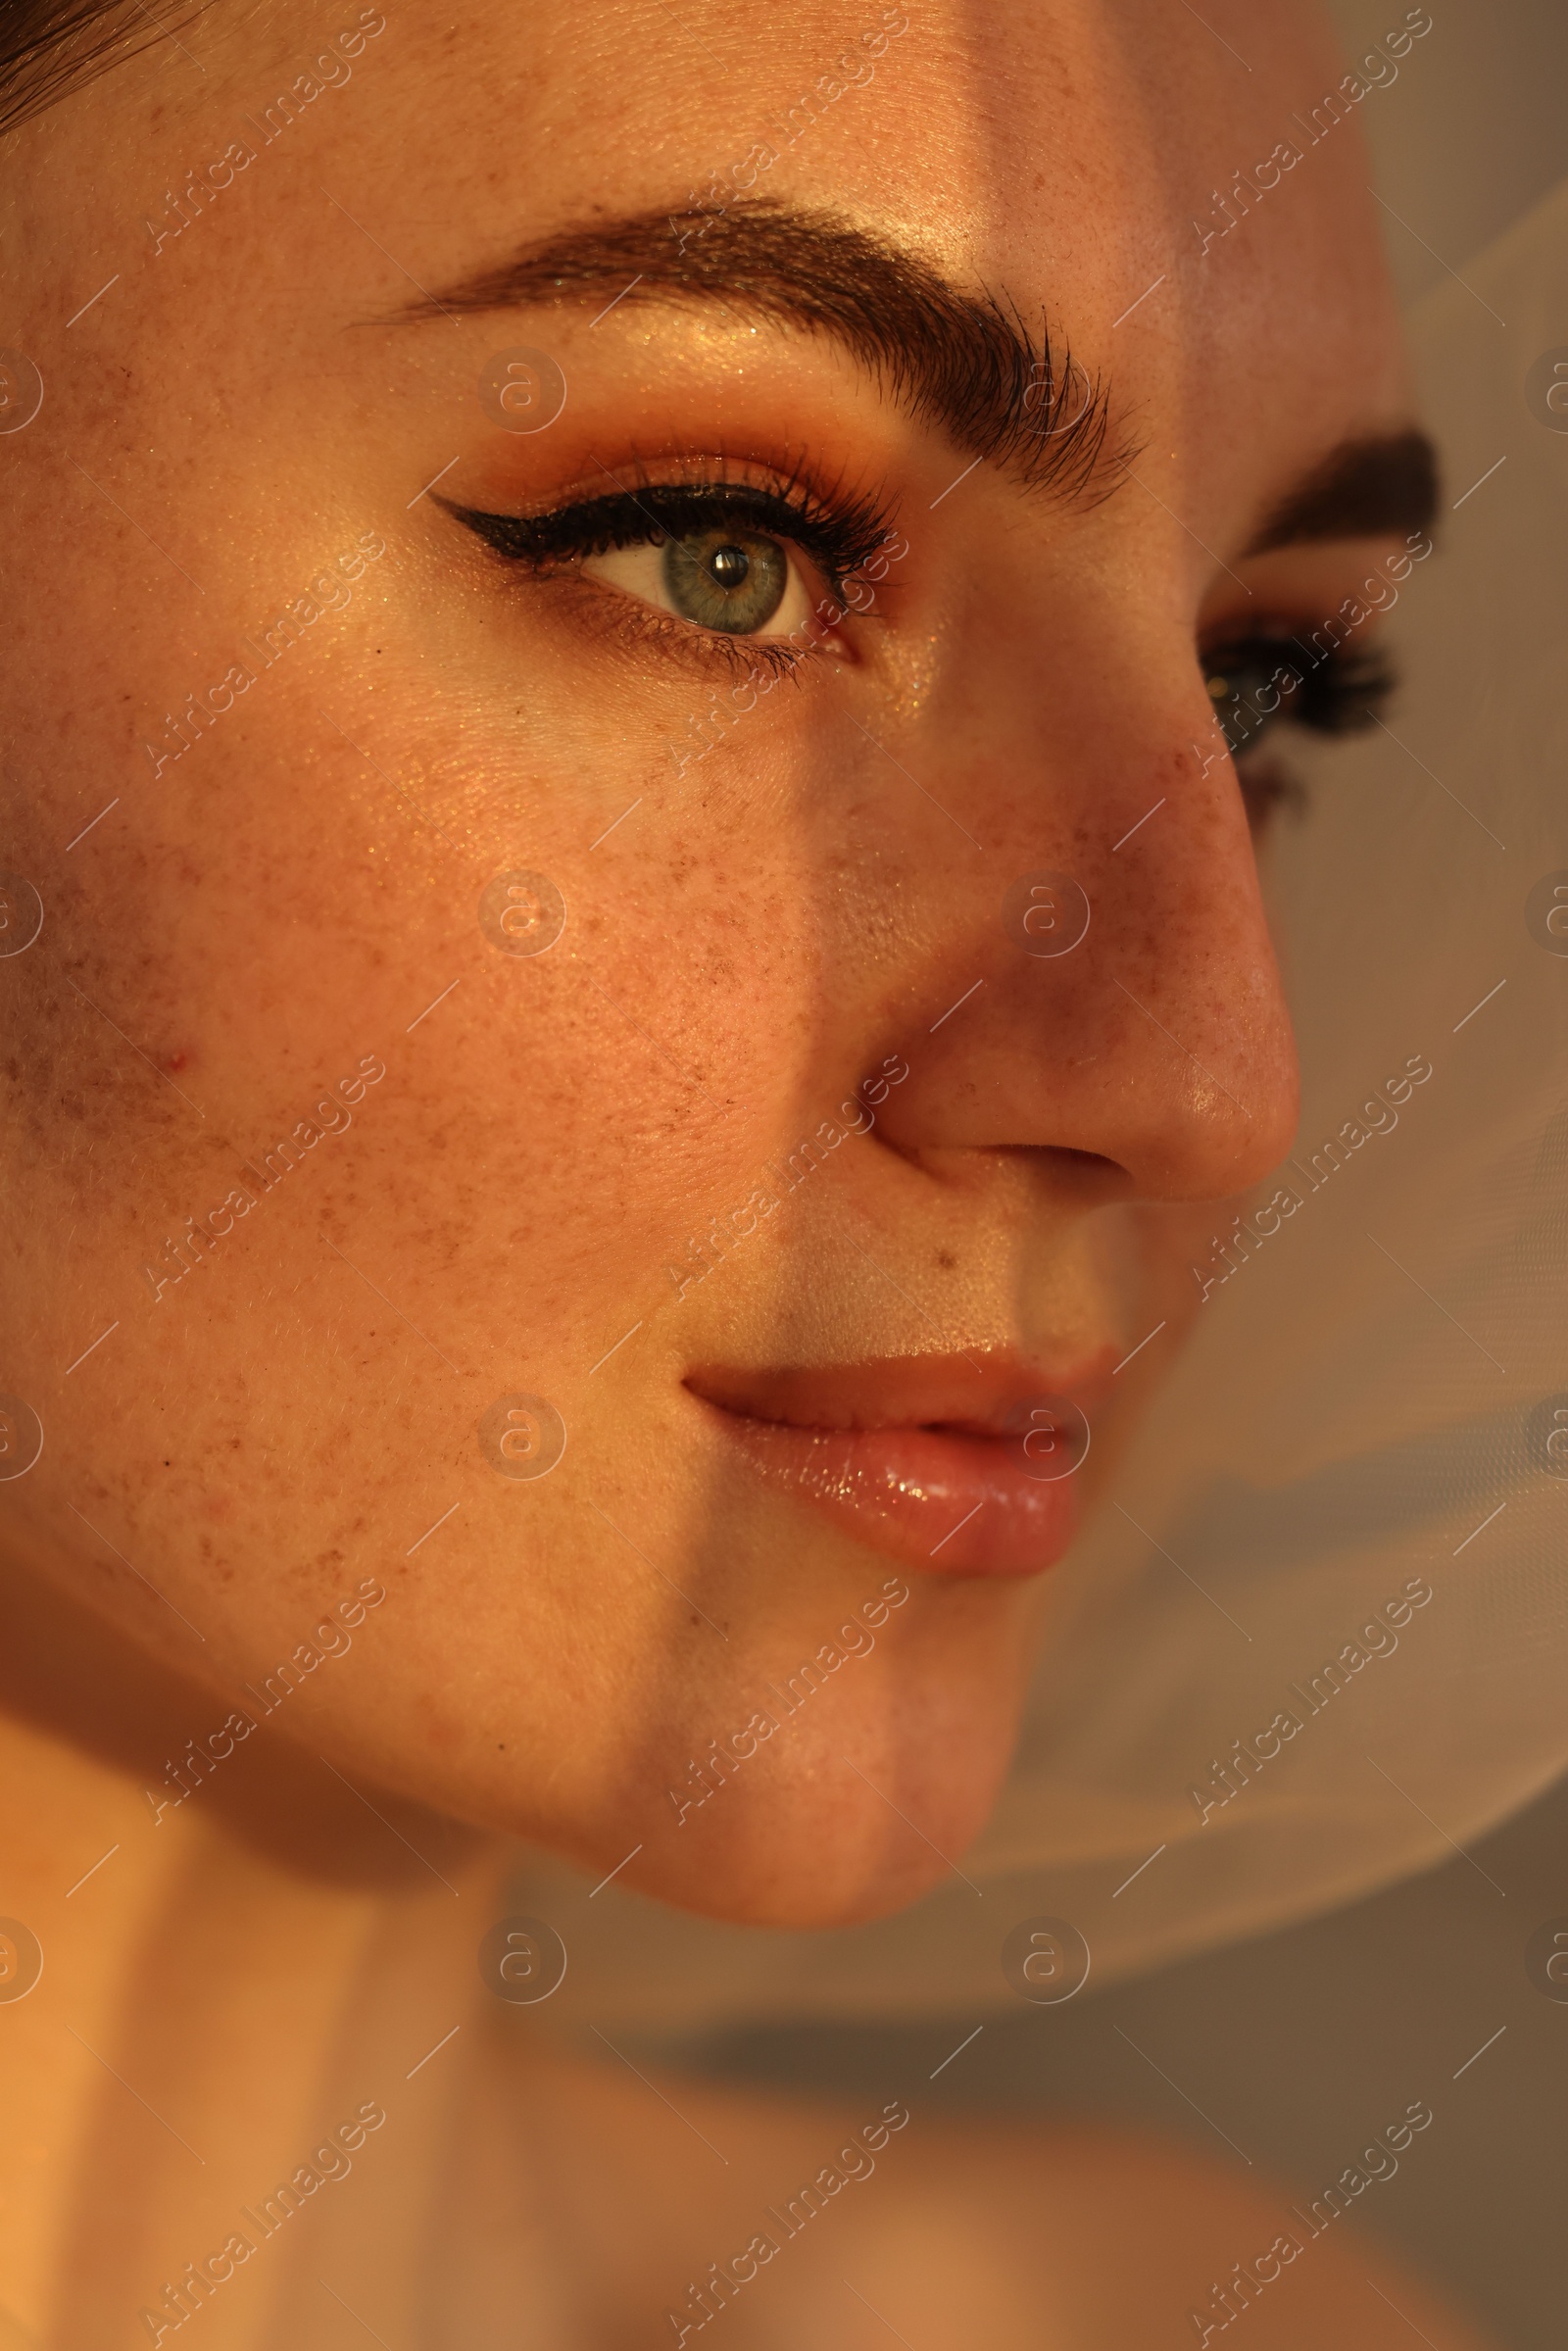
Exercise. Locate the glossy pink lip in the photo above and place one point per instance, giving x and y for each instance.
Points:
(956, 1465)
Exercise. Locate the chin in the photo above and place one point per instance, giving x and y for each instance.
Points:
(831, 1823)
(787, 1876)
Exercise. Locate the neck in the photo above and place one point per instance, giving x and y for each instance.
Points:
(229, 1981)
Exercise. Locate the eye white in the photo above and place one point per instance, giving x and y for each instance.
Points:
(640, 571)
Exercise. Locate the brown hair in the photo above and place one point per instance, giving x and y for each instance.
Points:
(49, 48)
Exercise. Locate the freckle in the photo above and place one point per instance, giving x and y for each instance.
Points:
(945, 1259)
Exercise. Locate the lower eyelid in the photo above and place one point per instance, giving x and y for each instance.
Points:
(629, 624)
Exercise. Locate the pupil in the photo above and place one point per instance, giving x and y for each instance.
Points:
(728, 566)
(733, 584)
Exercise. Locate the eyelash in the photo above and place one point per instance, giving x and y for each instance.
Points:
(1336, 694)
(839, 533)
(1339, 693)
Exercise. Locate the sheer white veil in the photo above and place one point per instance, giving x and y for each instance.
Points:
(1317, 1638)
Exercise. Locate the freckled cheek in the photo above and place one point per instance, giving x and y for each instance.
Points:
(562, 1122)
(321, 921)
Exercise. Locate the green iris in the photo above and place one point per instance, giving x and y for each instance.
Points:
(727, 578)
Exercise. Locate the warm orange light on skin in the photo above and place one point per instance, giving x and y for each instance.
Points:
(765, 907)
(296, 890)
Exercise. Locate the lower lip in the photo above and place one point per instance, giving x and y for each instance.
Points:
(939, 1501)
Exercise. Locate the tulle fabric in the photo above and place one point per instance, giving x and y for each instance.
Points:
(1368, 1406)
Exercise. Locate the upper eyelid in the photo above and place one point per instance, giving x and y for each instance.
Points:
(573, 542)
(837, 532)
(627, 518)
(566, 536)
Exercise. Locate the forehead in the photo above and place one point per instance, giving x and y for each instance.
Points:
(1170, 193)
(1077, 157)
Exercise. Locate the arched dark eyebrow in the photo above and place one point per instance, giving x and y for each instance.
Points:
(963, 361)
(1364, 489)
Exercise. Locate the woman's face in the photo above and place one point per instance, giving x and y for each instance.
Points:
(555, 641)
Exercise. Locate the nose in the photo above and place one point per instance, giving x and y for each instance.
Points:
(1100, 977)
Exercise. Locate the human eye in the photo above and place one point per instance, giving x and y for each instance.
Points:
(721, 574)
(713, 559)
(1265, 680)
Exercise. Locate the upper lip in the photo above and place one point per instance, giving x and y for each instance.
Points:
(979, 1391)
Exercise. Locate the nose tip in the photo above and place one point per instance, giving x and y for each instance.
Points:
(1217, 1075)
(1131, 1011)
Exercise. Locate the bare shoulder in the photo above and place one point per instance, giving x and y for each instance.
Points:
(805, 2219)
(1127, 2240)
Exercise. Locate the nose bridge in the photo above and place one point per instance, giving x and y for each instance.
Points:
(1187, 991)
(1131, 1006)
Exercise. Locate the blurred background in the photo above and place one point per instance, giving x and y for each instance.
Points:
(1474, 131)
(1295, 2049)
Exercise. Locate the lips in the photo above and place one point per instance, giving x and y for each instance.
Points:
(955, 1465)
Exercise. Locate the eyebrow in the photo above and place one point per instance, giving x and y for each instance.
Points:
(1362, 489)
(965, 360)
